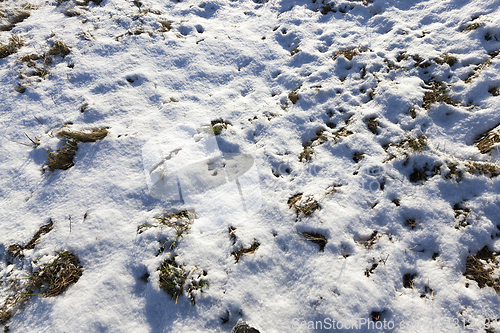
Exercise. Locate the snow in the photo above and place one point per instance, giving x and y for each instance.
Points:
(158, 91)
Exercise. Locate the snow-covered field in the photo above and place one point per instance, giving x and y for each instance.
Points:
(350, 152)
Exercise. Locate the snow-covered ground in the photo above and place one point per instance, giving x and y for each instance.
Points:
(356, 122)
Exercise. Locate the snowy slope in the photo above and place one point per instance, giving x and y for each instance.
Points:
(331, 100)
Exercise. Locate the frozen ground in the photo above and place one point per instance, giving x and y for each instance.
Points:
(361, 117)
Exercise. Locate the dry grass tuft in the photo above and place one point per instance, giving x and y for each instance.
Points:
(14, 17)
(358, 156)
(58, 49)
(165, 26)
(342, 132)
(408, 280)
(488, 140)
(412, 223)
(45, 229)
(472, 27)
(172, 278)
(373, 125)
(478, 70)
(19, 17)
(482, 168)
(240, 252)
(218, 125)
(314, 237)
(20, 89)
(349, 53)
(476, 269)
(423, 174)
(180, 222)
(50, 280)
(14, 44)
(303, 206)
(370, 241)
(16, 250)
(85, 136)
(62, 159)
(446, 59)
(55, 277)
(294, 96)
(5, 315)
(414, 144)
(495, 91)
(436, 93)
(306, 154)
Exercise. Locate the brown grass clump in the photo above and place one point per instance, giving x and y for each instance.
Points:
(5, 315)
(56, 276)
(348, 53)
(342, 132)
(306, 154)
(495, 91)
(240, 252)
(303, 206)
(218, 125)
(314, 237)
(19, 17)
(478, 70)
(180, 222)
(413, 144)
(488, 140)
(165, 26)
(472, 27)
(446, 59)
(45, 229)
(476, 269)
(370, 241)
(358, 156)
(482, 168)
(172, 278)
(14, 44)
(62, 159)
(59, 49)
(436, 93)
(319, 138)
(14, 17)
(294, 96)
(408, 280)
(16, 250)
(50, 280)
(373, 125)
(412, 223)
(85, 136)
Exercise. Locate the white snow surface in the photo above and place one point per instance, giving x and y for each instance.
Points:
(239, 61)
